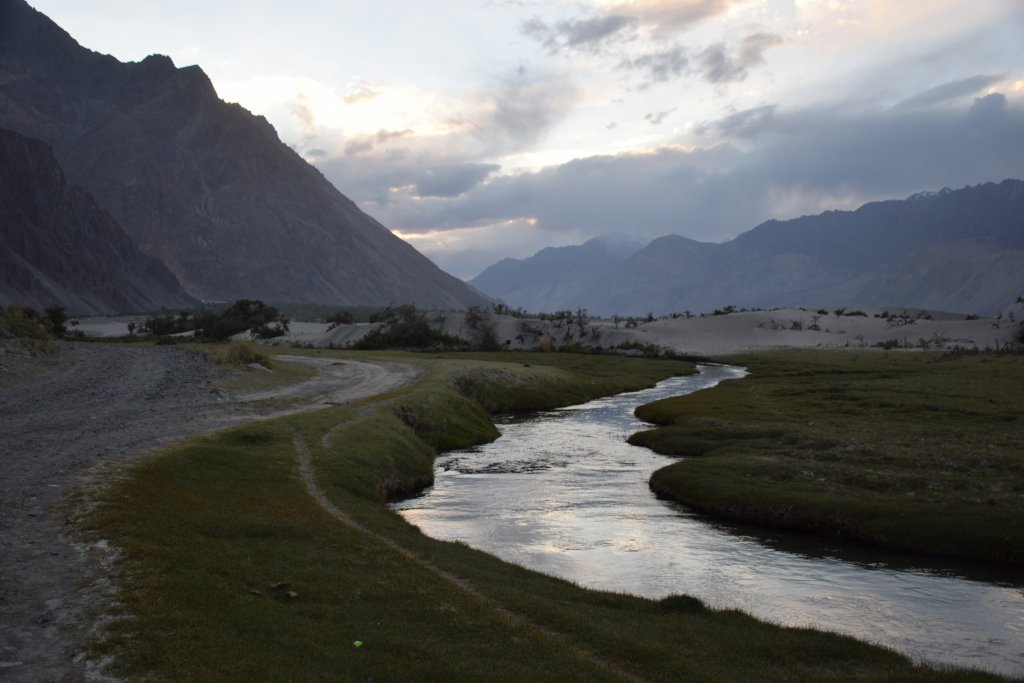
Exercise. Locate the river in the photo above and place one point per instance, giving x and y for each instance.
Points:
(561, 492)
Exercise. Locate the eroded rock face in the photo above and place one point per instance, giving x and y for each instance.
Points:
(202, 184)
(58, 247)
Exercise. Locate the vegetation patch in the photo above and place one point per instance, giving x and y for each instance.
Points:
(910, 451)
(231, 571)
(242, 353)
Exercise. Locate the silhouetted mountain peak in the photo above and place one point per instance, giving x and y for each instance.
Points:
(200, 183)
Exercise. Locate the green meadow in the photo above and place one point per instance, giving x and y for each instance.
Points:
(230, 569)
(910, 451)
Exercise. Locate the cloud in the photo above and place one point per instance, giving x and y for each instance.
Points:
(743, 124)
(518, 112)
(360, 92)
(661, 66)
(586, 33)
(951, 91)
(360, 144)
(794, 161)
(655, 118)
(717, 65)
(451, 180)
(673, 15)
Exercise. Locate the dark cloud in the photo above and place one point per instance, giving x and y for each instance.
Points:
(719, 65)
(587, 34)
(315, 152)
(951, 91)
(743, 124)
(661, 66)
(365, 143)
(451, 180)
(520, 112)
(656, 117)
(802, 161)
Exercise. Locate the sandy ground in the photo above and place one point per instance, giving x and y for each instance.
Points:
(62, 417)
(713, 335)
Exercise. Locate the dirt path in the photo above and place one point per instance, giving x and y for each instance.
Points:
(308, 474)
(92, 404)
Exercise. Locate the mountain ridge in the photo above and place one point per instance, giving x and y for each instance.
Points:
(202, 184)
(952, 250)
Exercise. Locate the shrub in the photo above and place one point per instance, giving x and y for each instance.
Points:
(262, 321)
(166, 324)
(340, 318)
(242, 353)
(405, 327)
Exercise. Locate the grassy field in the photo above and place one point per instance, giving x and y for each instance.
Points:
(910, 451)
(230, 570)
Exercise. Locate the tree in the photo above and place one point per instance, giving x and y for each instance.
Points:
(55, 320)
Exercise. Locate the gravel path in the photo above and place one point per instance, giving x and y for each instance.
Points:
(91, 404)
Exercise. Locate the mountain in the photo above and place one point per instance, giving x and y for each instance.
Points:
(58, 247)
(201, 184)
(554, 274)
(956, 250)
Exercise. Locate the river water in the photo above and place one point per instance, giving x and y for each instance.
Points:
(561, 492)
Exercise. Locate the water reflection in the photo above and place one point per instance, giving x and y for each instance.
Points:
(563, 493)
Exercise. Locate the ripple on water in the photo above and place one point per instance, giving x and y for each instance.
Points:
(563, 493)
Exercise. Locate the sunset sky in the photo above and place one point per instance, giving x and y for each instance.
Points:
(491, 128)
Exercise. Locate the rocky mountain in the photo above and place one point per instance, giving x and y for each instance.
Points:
(957, 250)
(199, 183)
(58, 247)
(545, 278)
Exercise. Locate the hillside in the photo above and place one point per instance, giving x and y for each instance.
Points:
(59, 247)
(199, 183)
(956, 250)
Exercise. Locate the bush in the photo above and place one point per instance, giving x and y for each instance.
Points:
(340, 318)
(405, 327)
(167, 324)
(262, 321)
(242, 353)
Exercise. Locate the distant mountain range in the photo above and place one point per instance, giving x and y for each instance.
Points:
(956, 250)
(202, 185)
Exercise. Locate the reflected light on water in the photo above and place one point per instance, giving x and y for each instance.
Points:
(564, 494)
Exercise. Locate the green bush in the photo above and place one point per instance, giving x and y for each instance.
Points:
(242, 353)
(405, 327)
(262, 321)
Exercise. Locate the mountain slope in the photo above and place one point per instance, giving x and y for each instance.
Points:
(959, 250)
(554, 274)
(58, 247)
(199, 183)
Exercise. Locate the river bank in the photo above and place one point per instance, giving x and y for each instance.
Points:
(232, 570)
(907, 451)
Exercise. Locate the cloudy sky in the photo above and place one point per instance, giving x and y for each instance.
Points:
(481, 129)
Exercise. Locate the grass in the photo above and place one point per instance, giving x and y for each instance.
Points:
(242, 353)
(244, 379)
(207, 525)
(910, 451)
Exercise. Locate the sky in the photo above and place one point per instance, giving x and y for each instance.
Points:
(484, 129)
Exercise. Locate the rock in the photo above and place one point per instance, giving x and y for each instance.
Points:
(203, 185)
(61, 248)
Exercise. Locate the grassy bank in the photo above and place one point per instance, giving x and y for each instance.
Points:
(215, 533)
(911, 451)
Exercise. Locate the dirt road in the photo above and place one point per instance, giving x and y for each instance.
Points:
(92, 404)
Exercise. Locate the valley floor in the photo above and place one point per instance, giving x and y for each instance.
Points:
(78, 415)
